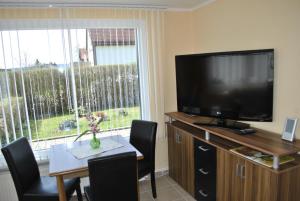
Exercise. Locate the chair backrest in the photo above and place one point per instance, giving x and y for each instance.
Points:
(114, 177)
(143, 137)
(22, 164)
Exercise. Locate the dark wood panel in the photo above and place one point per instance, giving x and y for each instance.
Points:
(229, 184)
(262, 184)
(200, 135)
(259, 183)
(255, 182)
(181, 158)
(263, 141)
(188, 168)
(227, 145)
(289, 186)
(172, 152)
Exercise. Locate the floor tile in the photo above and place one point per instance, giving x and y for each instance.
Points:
(181, 190)
(170, 180)
(144, 186)
(168, 194)
(189, 198)
(146, 196)
(162, 182)
(167, 190)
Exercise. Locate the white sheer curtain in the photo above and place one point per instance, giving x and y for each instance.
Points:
(58, 64)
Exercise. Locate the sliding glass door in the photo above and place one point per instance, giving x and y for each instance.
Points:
(50, 79)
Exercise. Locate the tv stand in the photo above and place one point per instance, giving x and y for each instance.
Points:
(209, 170)
(224, 123)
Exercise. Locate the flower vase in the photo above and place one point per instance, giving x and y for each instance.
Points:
(95, 142)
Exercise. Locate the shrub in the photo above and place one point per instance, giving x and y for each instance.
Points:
(15, 113)
(49, 90)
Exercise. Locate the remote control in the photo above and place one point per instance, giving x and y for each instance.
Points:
(247, 131)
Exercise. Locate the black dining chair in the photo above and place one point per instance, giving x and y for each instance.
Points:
(143, 138)
(30, 186)
(113, 178)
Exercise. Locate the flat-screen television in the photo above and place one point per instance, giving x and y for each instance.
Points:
(230, 85)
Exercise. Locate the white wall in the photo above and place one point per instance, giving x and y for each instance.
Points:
(109, 55)
(226, 25)
(229, 25)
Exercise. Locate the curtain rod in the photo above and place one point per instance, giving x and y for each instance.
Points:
(77, 5)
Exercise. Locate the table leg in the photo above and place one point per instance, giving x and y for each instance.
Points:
(61, 188)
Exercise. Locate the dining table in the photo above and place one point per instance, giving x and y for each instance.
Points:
(65, 161)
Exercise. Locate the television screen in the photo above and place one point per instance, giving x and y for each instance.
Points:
(231, 85)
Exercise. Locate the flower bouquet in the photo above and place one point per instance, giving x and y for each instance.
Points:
(94, 122)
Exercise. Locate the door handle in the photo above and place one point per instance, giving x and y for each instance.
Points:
(243, 174)
(203, 172)
(237, 170)
(177, 138)
(203, 194)
(202, 148)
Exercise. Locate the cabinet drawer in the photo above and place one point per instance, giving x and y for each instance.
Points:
(205, 178)
(204, 195)
(206, 182)
(205, 171)
(204, 149)
(205, 155)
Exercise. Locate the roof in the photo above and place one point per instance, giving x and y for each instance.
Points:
(112, 36)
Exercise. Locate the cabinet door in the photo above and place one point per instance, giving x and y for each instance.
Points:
(259, 183)
(229, 183)
(242, 180)
(174, 150)
(181, 158)
(187, 159)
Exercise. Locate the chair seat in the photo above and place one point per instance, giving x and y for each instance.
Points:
(144, 168)
(87, 191)
(45, 189)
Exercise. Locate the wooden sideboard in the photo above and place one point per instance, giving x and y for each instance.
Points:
(237, 178)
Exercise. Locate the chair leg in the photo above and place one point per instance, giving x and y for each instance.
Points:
(78, 192)
(153, 185)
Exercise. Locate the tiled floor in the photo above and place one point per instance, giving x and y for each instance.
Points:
(167, 190)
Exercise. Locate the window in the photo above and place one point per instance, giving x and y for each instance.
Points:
(51, 78)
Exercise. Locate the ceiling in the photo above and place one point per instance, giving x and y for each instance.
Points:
(170, 4)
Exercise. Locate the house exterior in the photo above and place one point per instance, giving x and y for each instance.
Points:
(113, 46)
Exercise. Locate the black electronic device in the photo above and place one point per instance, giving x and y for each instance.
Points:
(227, 85)
(246, 131)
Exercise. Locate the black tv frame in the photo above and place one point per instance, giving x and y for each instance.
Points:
(221, 121)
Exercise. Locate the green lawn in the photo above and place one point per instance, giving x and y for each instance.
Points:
(49, 128)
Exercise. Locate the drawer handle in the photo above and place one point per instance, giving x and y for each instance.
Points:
(202, 148)
(203, 194)
(203, 172)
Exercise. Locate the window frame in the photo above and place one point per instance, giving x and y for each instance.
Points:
(68, 24)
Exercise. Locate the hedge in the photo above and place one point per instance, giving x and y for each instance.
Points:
(49, 92)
